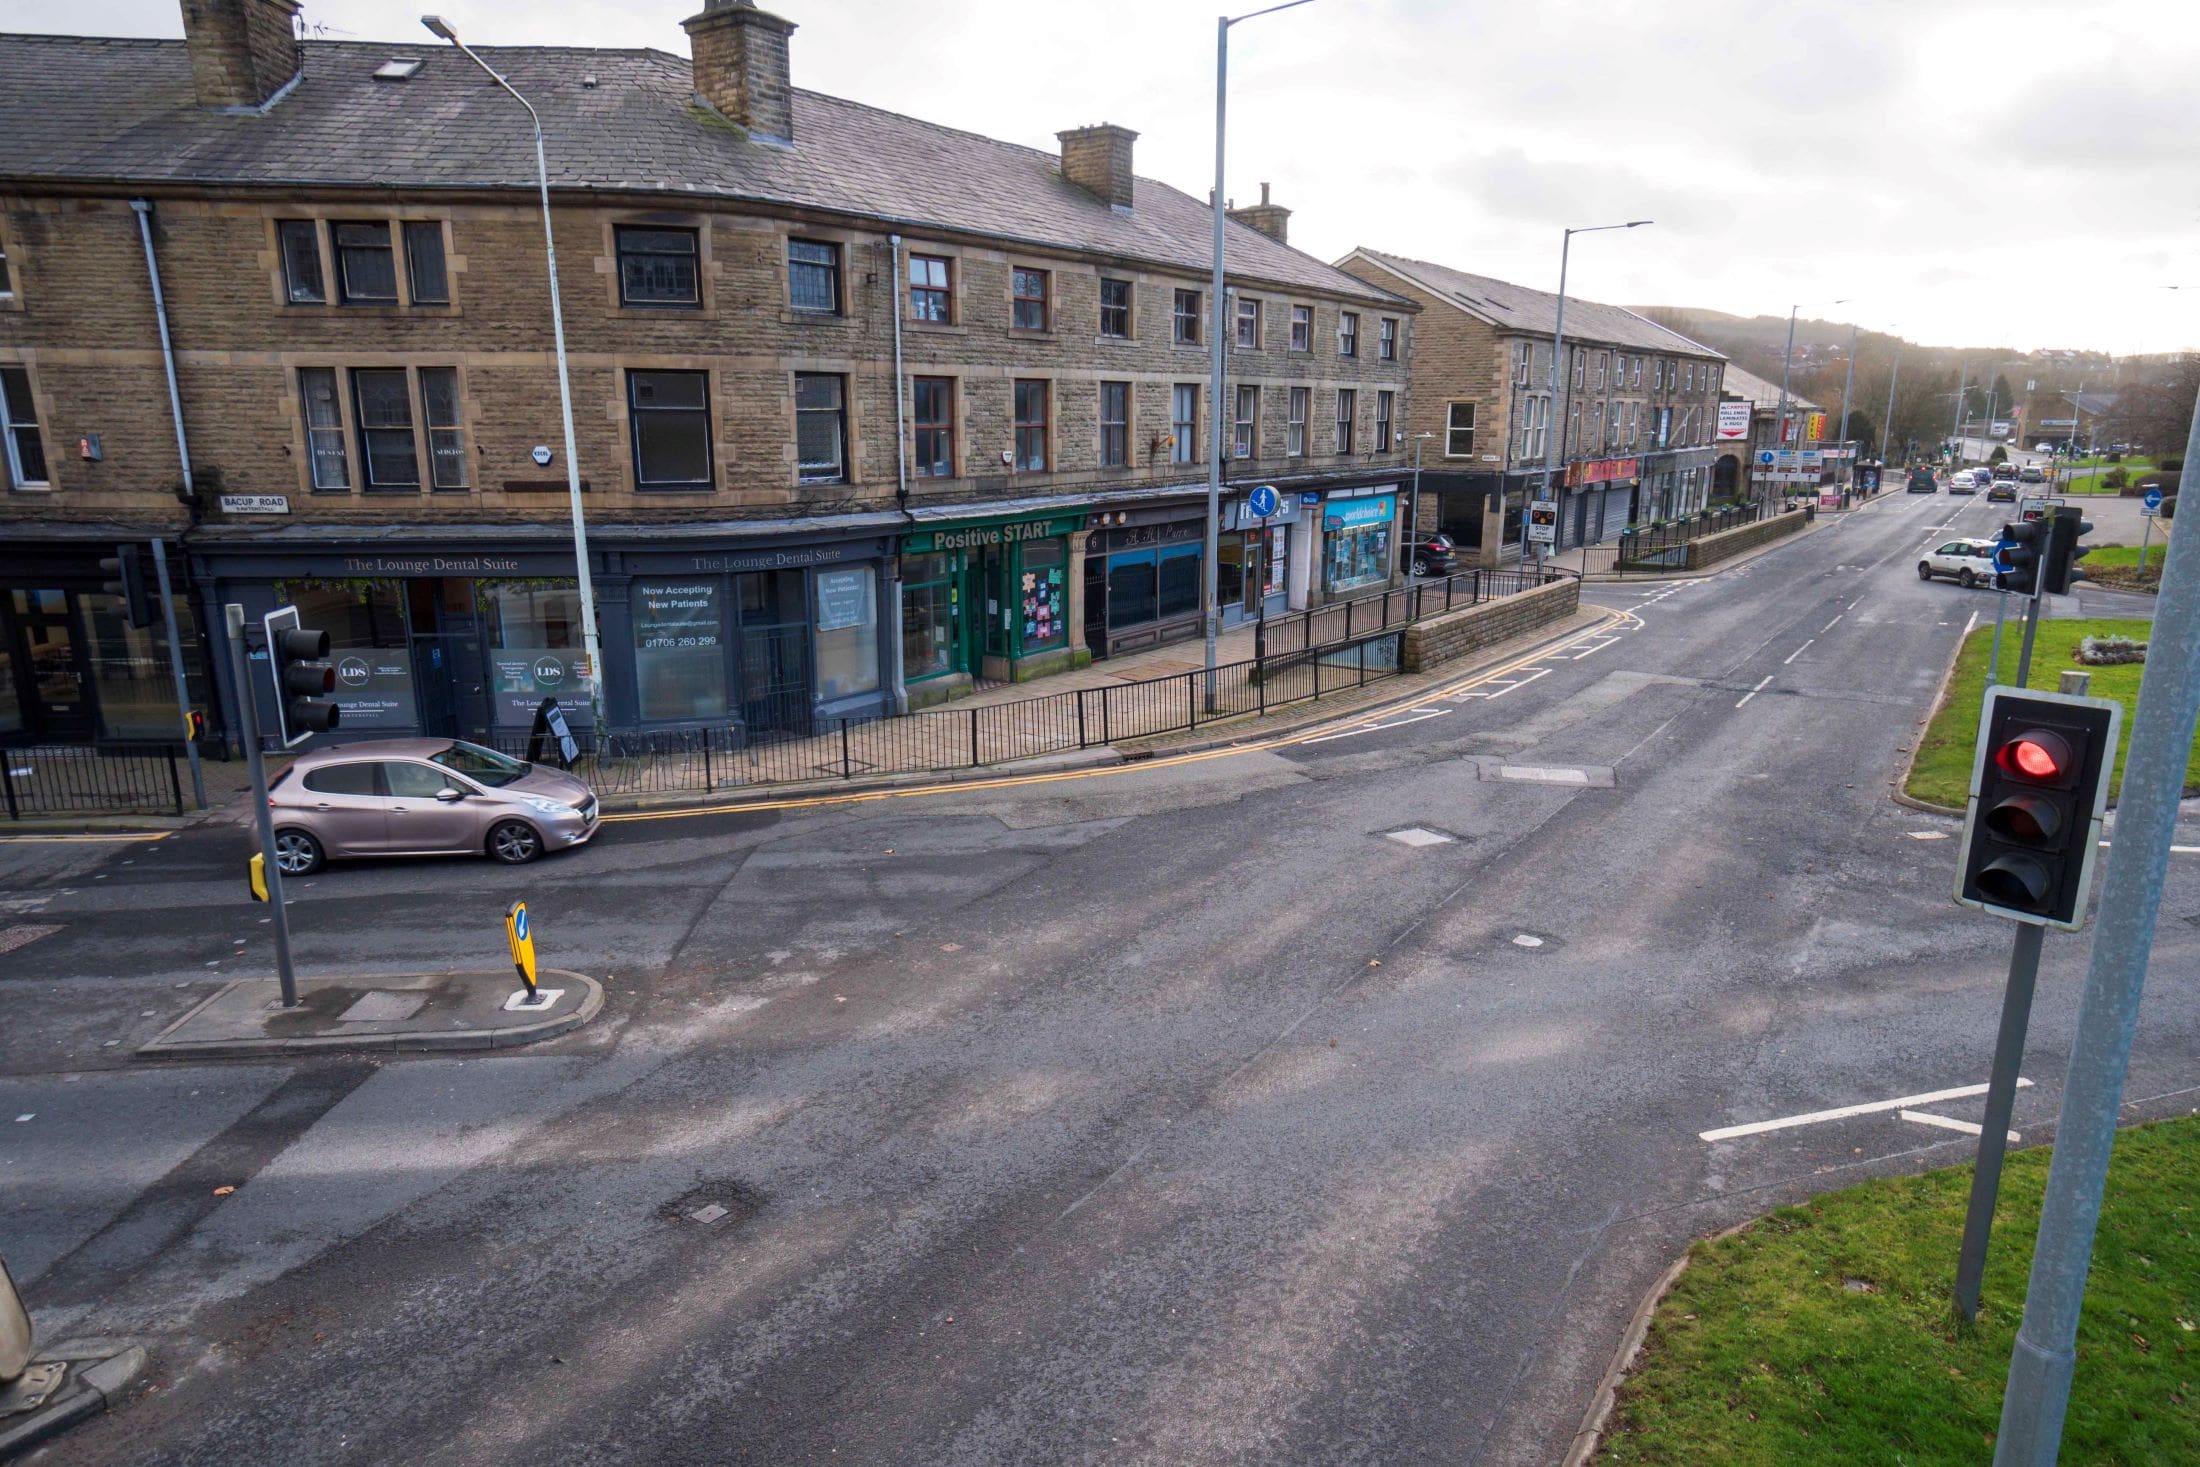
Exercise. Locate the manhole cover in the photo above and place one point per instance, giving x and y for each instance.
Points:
(1415, 835)
(713, 1205)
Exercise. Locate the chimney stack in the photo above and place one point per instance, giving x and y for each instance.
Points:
(1098, 160)
(242, 51)
(741, 66)
(1273, 220)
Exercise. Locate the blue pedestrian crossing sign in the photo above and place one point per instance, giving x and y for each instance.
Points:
(519, 934)
(1262, 500)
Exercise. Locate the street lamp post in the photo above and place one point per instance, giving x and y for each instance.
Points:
(1210, 606)
(1848, 381)
(1886, 424)
(1556, 430)
(440, 27)
(1955, 433)
(1413, 515)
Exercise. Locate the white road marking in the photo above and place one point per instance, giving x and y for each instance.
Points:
(1594, 647)
(1753, 692)
(1524, 940)
(1542, 774)
(1353, 733)
(1949, 1123)
(1968, 625)
(2174, 850)
(1928, 835)
(1830, 625)
(1842, 1113)
(1505, 685)
(1795, 654)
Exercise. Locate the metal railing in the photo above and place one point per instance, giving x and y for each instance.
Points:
(943, 739)
(1342, 621)
(1661, 547)
(85, 779)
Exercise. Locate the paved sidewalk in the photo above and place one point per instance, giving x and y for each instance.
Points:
(435, 1011)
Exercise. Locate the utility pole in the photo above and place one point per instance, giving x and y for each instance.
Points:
(248, 717)
(1848, 381)
(1780, 424)
(2045, 1358)
(1955, 431)
(1886, 424)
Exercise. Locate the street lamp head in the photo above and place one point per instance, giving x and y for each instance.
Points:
(1638, 223)
(439, 27)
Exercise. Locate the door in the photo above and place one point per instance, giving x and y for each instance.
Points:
(999, 605)
(344, 807)
(60, 705)
(418, 820)
(775, 678)
(1096, 604)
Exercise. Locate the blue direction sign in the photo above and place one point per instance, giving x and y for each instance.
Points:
(2152, 499)
(1262, 500)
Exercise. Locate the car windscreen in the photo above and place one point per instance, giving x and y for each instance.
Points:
(485, 765)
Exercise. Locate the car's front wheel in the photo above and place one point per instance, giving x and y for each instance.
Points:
(297, 854)
(514, 842)
(1924, 570)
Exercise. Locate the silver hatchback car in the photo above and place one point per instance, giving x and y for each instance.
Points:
(423, 797)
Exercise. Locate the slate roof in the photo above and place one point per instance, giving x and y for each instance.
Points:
(1734, 382)
(88, 109)
(1535, 312)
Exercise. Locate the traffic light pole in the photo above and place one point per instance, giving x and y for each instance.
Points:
(175, 670)
(2001, 1100)
(248, 714)
(2044, 1358)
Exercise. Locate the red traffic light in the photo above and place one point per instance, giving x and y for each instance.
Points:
(2036, 754)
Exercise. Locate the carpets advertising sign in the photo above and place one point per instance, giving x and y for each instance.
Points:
(1733, 421)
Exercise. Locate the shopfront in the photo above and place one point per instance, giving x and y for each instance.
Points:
(1143, 581)
(766, 639)
(72, 668)
(986, 599)
(1254, 560)
(1359, 543)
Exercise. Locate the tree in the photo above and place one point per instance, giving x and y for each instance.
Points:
(2156, 414)
(2005, 396)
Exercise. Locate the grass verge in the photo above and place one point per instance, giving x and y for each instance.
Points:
(1824, 1333)
(1942, 773)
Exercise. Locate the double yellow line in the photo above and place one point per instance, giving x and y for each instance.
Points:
(1252, 746)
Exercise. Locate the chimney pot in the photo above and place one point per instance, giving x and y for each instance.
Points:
(741, 68)
(1098, 160)
(1270, 219)
(242, 51)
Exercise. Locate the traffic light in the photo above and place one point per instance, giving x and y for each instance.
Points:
(128, 585)
(2059, 567)
(299, 659)
(2023, 547)
(2037, 792)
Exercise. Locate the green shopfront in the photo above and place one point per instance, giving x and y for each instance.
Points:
(991, 599)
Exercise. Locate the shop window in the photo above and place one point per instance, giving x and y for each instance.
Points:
(821, 427)
(1294, 433)
(1043, 594)
(1359, 554)
(671, 427)
(137, 693)
(931, 291)
(1386, 340)
(429, 279)
(1348, 333)
(383, 406)
(1275, 565)
(1115, 424)
(1245, 424)
(366, 263)
(658, 267)
(934, 413)
(1302, 328)
(1031, 427)
(11, 701)
(537, 648)
(1179, 575)
(1184, 319)
(928, 603)
(1028, 300)
(1115, 309)
(679, 648)
(813, 276)
(1385, 403)
(1348, 409)
(301, 242)
(1184, 423)
(1131, 590)
(19, 431)
(1248, 325)
(368, 646)
(847, 632)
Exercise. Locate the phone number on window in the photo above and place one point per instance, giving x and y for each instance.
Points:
(652, 644)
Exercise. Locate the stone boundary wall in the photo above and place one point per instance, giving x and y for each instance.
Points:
(1727, 544)
(1447, 638)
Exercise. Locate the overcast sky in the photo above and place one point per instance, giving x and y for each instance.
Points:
(1969, 172)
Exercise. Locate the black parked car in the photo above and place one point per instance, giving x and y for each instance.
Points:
(1436, 555)
(1922, 482)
